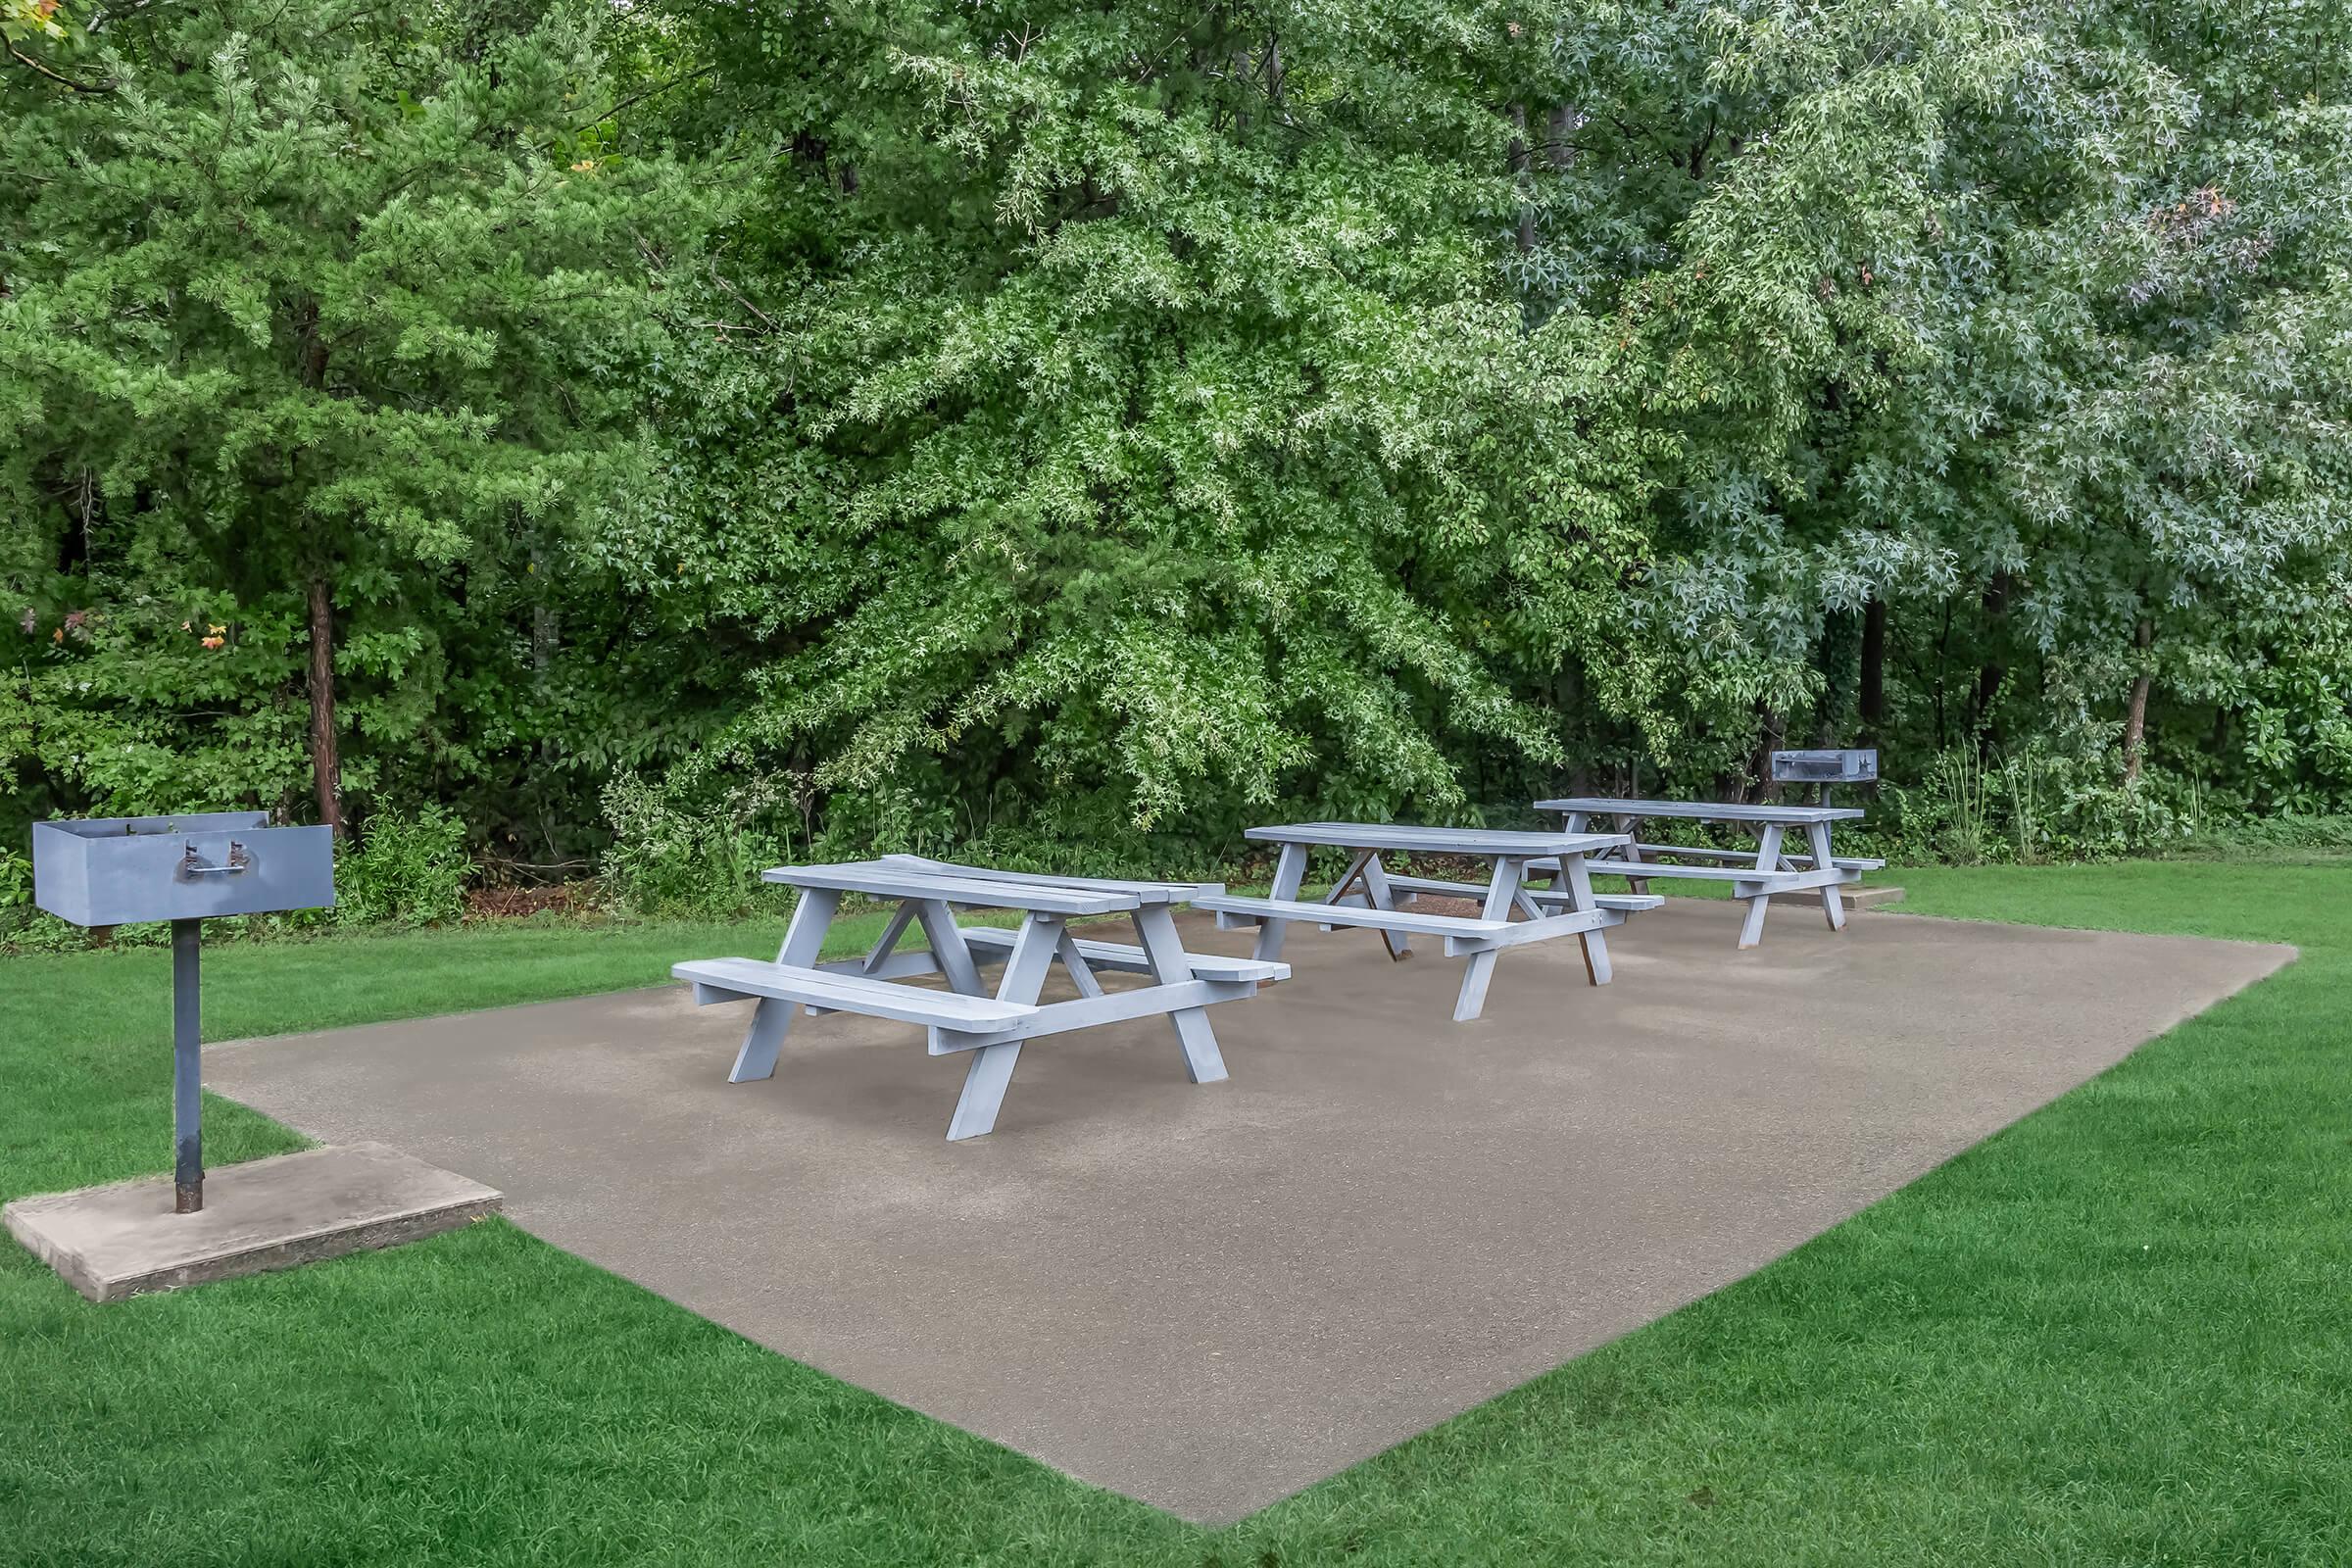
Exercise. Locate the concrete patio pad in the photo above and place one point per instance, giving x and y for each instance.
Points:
(1211, 1296)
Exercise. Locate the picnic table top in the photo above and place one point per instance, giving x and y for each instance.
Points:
(882, 879)
(1148, 892)
(1438, 840)
(1703, 811)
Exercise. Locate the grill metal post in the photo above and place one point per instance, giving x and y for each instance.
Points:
(187, 1070)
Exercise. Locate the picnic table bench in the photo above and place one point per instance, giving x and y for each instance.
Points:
(1367, 894)
(968, 1015)
(1755, 875)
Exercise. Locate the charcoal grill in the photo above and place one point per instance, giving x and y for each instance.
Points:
(102, 872)
(1825, 768)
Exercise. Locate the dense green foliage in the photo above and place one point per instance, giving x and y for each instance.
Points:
(1069, 431)
(314, 319)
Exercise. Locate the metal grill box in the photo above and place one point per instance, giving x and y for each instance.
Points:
(114, 870)
(1824, 767)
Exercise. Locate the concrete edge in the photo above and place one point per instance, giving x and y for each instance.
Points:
(68, 1263)
(2292, 951)
(318, 1248)
(314, 1243)
(269, 1258)
(421, 1018)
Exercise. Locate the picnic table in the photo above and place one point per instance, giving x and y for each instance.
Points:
(991, 1024)
(1755, 875)
(1368, 895)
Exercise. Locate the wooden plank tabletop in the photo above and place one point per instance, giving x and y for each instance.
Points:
(1704, 810)
(1149, 893)
(881, 880)
(1438, 840)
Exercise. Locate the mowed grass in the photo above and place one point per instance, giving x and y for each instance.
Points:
(2120, 1332)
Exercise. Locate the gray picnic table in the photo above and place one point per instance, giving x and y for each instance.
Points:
(1755, 876)
(968, 1015)
(1369, 895)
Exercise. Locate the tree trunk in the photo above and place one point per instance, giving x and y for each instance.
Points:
(545, 629)
(1943, 665)
(1559, 127)
(2136, 718)
(326, 764)
(1769, 732)
(1518, 161)
(1838, 659)
(1989, 674)
(1873, 667)
(1568, 700)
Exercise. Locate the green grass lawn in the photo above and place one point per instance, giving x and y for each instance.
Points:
(2120, 1332)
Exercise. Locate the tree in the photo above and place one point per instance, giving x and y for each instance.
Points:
(1119, 417)
(2028, 317)
(313, 333)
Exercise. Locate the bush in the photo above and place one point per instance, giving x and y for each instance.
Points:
(2037, 805)
(689, 844)
(18, 919)
(406, 871)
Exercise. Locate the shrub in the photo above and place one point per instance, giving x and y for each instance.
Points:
(405, 870)
(2036, 805)
(689, 844)
(18, 919)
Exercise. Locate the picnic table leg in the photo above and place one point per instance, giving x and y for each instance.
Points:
(949, 949)
(1472, 998)
(1832, 907)
(1338, 893)
(1768, 859)
(1378, 894)
(1571, 822)
(1375, 893)
(1290, 869)
(1082, 975)
(1632, 853)
(771, 1020)
(990, 1072)
(1579, 878)
(888, 942)
(883, 946)
(1163, 949)
(1527, 905)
